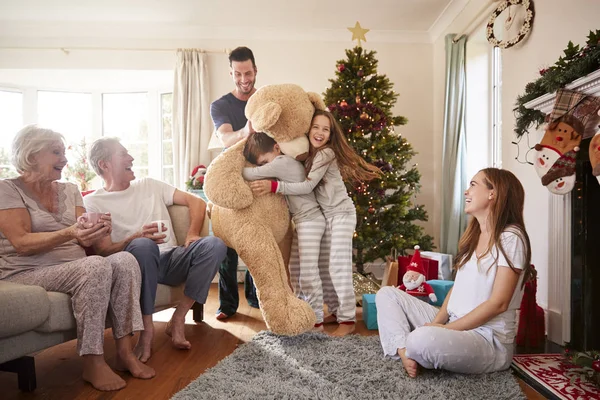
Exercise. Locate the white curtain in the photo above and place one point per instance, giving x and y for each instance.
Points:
(192, 125)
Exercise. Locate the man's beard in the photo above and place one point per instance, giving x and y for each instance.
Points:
(411, 285)
(251, 87)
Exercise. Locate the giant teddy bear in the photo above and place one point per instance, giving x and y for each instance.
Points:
(259, 228)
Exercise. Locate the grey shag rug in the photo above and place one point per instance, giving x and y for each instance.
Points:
(316, 366)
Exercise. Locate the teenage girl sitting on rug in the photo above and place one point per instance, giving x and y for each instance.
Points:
(474, 330)
(331, 161)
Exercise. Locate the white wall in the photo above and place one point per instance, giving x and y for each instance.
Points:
(555, 24)
(307, 63)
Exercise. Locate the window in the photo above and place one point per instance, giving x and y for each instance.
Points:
(166, 107)
(125, 115)
(497, 108)
(134, 105)
(11, 115)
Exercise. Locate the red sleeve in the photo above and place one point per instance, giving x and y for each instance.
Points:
(274, 186)
(428, 288)
(402, 287)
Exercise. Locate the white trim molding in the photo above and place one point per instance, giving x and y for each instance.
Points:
(559, 235)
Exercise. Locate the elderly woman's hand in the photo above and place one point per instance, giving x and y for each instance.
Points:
(260, 188)
(87, 234)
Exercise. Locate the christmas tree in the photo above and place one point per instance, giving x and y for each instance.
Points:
(79, 171)
(362, 102)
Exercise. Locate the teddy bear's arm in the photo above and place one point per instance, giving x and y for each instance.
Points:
(224, 184)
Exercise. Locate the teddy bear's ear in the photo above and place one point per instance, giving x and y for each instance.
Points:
(266, 116)
(316, 100)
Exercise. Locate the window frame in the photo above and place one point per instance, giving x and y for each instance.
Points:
(155, 152)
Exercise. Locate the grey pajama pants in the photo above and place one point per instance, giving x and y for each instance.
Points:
(401, 317)
(99, 287)
(335, 266)
(304, 263)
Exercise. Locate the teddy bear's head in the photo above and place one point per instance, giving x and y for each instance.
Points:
(284, 112)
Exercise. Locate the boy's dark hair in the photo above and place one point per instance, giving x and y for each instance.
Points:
(241, 54)
(258, 143)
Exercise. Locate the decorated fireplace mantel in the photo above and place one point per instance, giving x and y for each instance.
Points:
(559, 229)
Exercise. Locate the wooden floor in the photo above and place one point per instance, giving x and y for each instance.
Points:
(59, 368)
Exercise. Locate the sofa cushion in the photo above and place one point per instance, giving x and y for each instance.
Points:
(61, 314)
(22, 308)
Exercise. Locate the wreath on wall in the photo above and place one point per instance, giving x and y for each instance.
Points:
(523, 31)
(576, 63)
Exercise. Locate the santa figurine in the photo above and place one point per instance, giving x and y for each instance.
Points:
(413, 281)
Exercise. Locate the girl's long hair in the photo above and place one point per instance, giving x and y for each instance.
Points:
(354, 168)
(506, 214)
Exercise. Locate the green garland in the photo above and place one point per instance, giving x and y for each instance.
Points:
(587, 364)
(576, 63)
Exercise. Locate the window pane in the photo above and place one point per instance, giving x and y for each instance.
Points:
(67, 113)
(166, 101)
(168, 175)
(167, 153)
(125, 115)
(11, 115)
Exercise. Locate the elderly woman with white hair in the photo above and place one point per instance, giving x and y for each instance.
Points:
(42, 235)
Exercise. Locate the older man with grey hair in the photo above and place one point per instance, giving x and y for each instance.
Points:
(135, 206)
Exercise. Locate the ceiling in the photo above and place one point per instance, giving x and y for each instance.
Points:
(384, 16)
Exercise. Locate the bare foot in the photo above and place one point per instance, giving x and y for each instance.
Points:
(143, 348)
(343, 330)
(330, 319)
(410, 365)
(222, 316)
(129, 362)
(175, 329)
(99, 374)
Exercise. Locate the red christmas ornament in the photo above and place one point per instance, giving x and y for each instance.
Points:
(360, 73)
(343, 103)
(371, 210)
(341, 67)
(596, 365)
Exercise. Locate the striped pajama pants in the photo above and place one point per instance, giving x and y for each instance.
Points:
(335, 266)
(304, 263)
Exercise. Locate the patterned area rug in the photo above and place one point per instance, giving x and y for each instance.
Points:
(317, 366)
(550, 375)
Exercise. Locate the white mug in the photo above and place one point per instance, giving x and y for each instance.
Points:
(163, 228)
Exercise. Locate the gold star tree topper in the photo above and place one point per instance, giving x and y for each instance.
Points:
(358, 33)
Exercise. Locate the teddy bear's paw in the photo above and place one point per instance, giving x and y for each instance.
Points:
(291, 318)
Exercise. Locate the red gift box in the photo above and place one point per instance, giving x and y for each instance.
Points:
(430, 267)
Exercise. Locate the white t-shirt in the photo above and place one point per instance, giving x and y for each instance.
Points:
(144, 201)
(475, 280)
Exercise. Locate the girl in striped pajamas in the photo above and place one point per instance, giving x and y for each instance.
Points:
(331, 161)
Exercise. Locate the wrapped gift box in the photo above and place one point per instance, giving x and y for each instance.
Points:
(444, 264)
(441, 289)
(369, 311)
